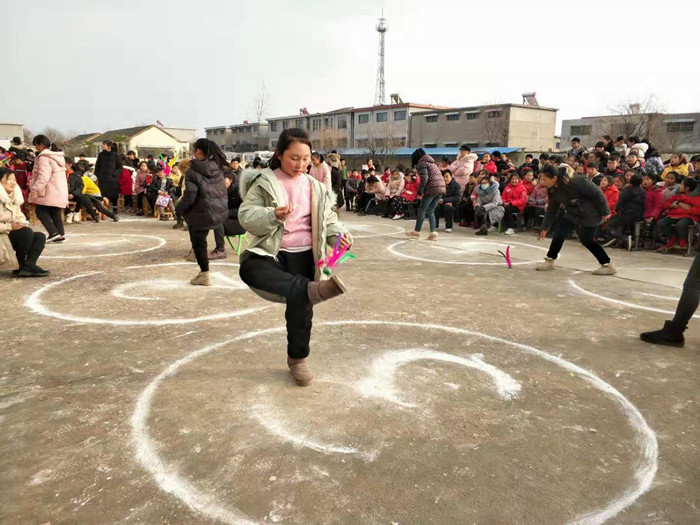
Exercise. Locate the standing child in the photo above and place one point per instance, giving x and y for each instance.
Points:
(126, 187)
(291, 220)
(320, 170)
(204, 203)
(653, 208)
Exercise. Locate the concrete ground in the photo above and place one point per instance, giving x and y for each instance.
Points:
(448, 389)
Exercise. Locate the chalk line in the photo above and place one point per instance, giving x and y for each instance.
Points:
(161, 242)
(170, 481)
(368, 229)
(623, 303)
(34, 303)
(392, 249)
(380, 382)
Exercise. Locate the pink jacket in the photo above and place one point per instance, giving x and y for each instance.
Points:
(49, 180)
(322, 173)
(395, 187)
(462, 168)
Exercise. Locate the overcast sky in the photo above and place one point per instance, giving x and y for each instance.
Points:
(84, 66)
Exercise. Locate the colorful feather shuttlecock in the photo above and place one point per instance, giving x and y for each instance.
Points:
(337, 256)
(506, 256)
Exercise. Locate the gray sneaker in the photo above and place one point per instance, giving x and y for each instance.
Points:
(548, 264)
(606, 269)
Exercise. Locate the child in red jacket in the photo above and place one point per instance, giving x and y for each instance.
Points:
(514, 199)
(653, 208)
(126, 188)
(682, 211)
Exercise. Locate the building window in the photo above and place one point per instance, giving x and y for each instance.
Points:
(285, 124)
(472, 116)
(491, 144)
(342, 122)
(429, 145)
(400, 114)
(273, 126)
(581, 130)
(431, 118)
(328, 122)
(316, 144)
(382, 116)
(472, 144)
(452, 116)
(363, 119)
(493, 114)
(299, 123)
(451, 144)
(315, 124)
(679, 127)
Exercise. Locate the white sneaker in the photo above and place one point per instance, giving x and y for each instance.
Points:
(397, 217)
(55, 238)
(448, 230)
(510, 231)
(77, 217)
(69, 218)
(491, 229)
(606, 269)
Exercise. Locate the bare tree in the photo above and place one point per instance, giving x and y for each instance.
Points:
(496, 129)
(260, 109)
(641, 119)
(382, 144)
(55, 136)
(28, 136)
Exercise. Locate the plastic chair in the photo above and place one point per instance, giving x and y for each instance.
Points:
(241, 239)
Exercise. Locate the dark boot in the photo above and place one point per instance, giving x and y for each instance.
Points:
(483, 230)
(670, 335)
(324, 290)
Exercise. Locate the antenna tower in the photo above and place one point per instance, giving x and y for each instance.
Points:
(381, 28)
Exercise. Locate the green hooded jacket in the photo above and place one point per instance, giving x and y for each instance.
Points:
(262, 193)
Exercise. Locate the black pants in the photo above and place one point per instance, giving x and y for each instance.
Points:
(586, 235)
(620, 225)
(363, 201)
(91, 203)
(27, 245)
(532, 213)
(670, 227)
(220, 238)
(509, 220)
(50, 217)
(466, 211)
(128, 201)
(112, 202)
(444, 210)
(289, 277)
(79, 201)
(139, 201)
(690, 298)
(198, 238)
(233, 227)
(349, 200)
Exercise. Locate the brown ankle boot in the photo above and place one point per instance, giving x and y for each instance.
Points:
(324, 290)
(300, 371)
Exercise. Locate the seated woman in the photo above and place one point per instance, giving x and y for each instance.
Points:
(409, 194)
(374, 189)
(514, 201)
(164, 190)
(465, 210)
(628, 212)
(671, 185)
(489, 206)
(447, 206)
(20, 246)
(683, 211)
(394, 189)
(536, 203)
(677, 163)
(75, 192)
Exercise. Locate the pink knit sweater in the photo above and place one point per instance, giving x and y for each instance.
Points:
(297, 227)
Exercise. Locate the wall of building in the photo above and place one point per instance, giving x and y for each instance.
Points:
(154, 139)
(667, 132)
(395, 128)
(183, 134)
(458, 126)
(8, 131)
(532, 128)
(241, 138)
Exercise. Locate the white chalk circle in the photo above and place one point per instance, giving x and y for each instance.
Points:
(142, 290)
(381, 381)
(124, 242)
(468, 247)
(630, 304)
(368, 229)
